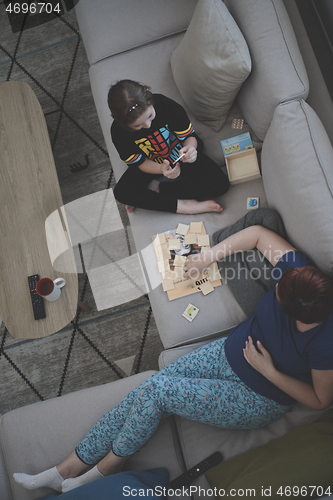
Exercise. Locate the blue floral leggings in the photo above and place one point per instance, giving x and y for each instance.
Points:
(199, 386)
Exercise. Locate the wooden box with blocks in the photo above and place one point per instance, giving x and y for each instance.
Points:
(172, 249)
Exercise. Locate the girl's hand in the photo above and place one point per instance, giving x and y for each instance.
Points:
(169, 172)
(196, 263)
(260, 361)
(190, 154)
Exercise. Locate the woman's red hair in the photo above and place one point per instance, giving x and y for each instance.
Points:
(306, 294)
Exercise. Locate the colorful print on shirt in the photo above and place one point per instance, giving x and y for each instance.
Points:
(162, 141)
(161, 145)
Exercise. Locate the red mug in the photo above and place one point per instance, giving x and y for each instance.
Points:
(50, 289)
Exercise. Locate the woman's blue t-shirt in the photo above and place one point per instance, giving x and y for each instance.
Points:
(294, 353)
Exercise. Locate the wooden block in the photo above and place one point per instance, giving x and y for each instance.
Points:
(182, 229)
(190, 312)
(159, 239)
(252, 203)
(177, 273)
(206, 287)
(162, 252)
(190, 239)
(203, 240)
(174, 244)
(167, 275)
(237, 123)
(168, 284)
(196, 227)
(183, 285)
(179, 261)
(163, 265)
(200, 279)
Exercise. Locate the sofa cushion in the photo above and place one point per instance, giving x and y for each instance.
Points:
(278, 72)
(319, 97)
(122, 485)
(297, 167)
(34, 438)
(211, 63)
(294, 463)
(110, 27)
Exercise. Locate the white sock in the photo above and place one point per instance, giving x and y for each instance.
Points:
(49, 479)
(74, 482)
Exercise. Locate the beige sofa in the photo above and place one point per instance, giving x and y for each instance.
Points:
(279, 86)
(289, 114)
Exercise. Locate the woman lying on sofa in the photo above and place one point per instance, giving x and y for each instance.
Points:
(281, 354)
(155, 139)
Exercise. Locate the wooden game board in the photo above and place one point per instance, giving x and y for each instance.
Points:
(170, 263)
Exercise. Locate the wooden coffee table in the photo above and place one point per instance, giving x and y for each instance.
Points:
(33, 229)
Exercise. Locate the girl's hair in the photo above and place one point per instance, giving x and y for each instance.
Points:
(306, 294)
(127, 101)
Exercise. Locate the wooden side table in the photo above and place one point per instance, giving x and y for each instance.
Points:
(33, 229)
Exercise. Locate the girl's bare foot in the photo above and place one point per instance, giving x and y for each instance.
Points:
(129, 209)
(197, 207)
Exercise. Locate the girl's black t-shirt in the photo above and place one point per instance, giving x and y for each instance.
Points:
(170, 127)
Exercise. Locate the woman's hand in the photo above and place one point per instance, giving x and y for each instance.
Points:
(168, 171)
(317, 396)
(190, 154)
(260, 361)
(196, 263)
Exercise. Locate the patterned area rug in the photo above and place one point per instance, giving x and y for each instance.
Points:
(106, 341)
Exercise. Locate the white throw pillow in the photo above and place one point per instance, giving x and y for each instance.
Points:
(211, 63)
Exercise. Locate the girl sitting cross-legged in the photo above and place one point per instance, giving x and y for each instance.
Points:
(157, 142)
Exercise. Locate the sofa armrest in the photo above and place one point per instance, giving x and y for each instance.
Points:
(38, 436)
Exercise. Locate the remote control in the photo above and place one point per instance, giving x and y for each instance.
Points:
(196, 471)
(36, 300)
